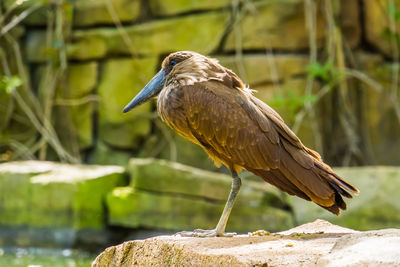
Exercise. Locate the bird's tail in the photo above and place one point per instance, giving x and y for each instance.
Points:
(315, 182)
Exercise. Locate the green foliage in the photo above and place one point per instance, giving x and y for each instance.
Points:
(291, 100)
(323, 72)
(393, 11)
(9, 83)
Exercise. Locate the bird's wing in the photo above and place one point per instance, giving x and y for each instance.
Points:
(228, 122)
(217, 117)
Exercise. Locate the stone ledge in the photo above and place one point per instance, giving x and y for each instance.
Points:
(319, 243)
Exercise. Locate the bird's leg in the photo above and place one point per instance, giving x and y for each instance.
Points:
(220, 229)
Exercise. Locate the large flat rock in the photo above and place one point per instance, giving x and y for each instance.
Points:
(48, 194)
(314, 244)
(168, 195)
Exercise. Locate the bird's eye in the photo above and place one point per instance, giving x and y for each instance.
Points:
(172, 62)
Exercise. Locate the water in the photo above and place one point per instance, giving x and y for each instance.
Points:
(44, 257)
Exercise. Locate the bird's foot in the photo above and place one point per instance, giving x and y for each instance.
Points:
(204, 233)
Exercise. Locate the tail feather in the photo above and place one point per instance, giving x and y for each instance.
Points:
(318, 183)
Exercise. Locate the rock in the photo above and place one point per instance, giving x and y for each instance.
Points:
(89, 12)
(46, 194)
(82, 78)
(36, 47)
(255, 69)
(105, 155)
(116, 89)
(82, 13)
(174, 178)
(315, 244)
(134, 208)
(273, 25)
(173, 7)
(377, 25)
(172, 196)
(350, 22)
(156, 37)
(82, 124)
(376, 207)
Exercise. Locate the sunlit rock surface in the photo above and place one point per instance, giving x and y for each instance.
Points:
(50, 199)
(314, 244)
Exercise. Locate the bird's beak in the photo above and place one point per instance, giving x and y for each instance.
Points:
(150, 90)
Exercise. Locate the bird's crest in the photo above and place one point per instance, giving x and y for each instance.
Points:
(187, 68)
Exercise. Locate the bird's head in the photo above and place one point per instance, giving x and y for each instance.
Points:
(179, 69)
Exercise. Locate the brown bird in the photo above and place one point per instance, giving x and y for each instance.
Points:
(209, 105)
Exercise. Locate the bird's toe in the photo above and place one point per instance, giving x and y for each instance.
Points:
(204, 233)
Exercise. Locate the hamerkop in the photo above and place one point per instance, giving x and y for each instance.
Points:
(209, 105)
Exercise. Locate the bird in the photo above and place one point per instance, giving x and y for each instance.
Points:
(209, 105)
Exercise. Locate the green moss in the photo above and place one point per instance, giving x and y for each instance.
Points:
(274, 24)
(116, 89)
(156, 37)
(134, 208)
(170, 7)
(42, 194)
(82, 79)
(88, 12)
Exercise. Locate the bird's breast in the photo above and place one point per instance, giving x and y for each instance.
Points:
(170, 108)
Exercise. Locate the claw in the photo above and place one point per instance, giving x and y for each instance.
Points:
(204, 233)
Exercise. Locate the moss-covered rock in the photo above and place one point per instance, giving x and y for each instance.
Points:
(135, 208)
(82, 78)
(89, 12)
(377, 206)
(265, 69)
(81, 12)
(175, 178)
(156, 37)
(105, 155)
(44, 194)
(273, 24)
(173, 196)
(172, 7)
(122, 79)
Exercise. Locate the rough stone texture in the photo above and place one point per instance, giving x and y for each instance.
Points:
(105, 155)
(89, 12)
(122, 79)
(156, 37)
(46, 194)
(273, 25)
(377, 206)
(134, 208)
(169, 195)
(172, 7)
(265, 69)
(82, 79)
(350, 22)
(314, 244)
(377, 25)
(175, 178)
(83, 13)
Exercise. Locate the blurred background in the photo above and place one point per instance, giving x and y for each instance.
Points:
(78, 175)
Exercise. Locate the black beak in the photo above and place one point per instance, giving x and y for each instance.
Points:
(151, 89)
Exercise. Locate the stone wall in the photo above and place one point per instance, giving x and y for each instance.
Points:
(112, 48)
